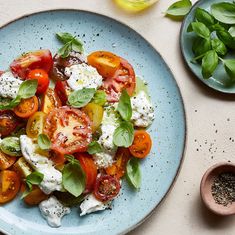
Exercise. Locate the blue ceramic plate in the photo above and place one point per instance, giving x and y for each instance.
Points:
(168, 130)
(220, 80)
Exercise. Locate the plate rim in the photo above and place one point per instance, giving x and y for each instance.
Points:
(185, 126)
(183, 25)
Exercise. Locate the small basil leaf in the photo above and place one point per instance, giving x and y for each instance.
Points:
(94, 147)
(209, 63)
(35, 178)
(68, 199)
(133, 172)
(124, 106)
(201, 46)
(13, 103)
(124, 135)
(44, 142)
(65, 37)
(216, 27)
(200, 29)
(27, 89)
(226, 38)
(204, 16)
(219, 47)
(224, 12)
(81, 98)
(77, 45)
(232, 31)
(25, 193)
(229, 66)
(74, 178)
(65, 50)
(99, 98)
(179, 8)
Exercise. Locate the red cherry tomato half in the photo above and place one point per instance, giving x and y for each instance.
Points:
(69, 130)
(42, 77)
(106, 188)
(62, 90)
(40, 59)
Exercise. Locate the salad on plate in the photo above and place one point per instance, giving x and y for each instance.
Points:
(72, 127)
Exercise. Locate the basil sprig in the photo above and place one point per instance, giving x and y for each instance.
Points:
(94, 147)
(27, 90)
(80, 98)
(133, 172)
(35, 178)
(73, 177)
(71, 43)
(44, 142)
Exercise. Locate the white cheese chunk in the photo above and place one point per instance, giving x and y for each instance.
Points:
(83, 76)
(9, 85)
(91, 204)
(52, 179)
(142, 110)
(53, 211)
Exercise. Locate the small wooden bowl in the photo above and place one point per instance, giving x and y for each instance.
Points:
(205, 189)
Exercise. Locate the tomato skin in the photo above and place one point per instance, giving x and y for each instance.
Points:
(62, 90)
(105, 62)
(35, 124)
(95, 113)
(57, 158)
(141, 145)
(50, 100)
(27, 107)
(9, 185)
(8, 122)
(6, 161)
(106, 188)
(124, 78)
(118, 169)
(41, 59)
(90, 169)
(35, 196)
(42, 77)
(69, 130)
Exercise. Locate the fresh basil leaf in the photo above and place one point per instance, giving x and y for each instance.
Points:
(35, 178)
(81, 98)
(29, 186)
(94, 147)
(68, 199)
(209, 63)
(226, 38)
(229, 66)
(65, 37)
(219, 47)
(13, 103)
(201, 46)
(26, 192)
(232, 31)
(77, 45)
(204, 16)
(44, 142)
(133, 172)
(224, 12)
(74, 178)
(123, 135)
(99, 97)
(179, 8)
(124, 106)
(27, 89)
(216, 27)
(65, 50)
(200, 29)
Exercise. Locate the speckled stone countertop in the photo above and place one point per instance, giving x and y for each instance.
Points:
(210, 117)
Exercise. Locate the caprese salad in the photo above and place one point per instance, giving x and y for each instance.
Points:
(71, 127)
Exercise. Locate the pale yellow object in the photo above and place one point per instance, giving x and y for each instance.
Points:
(135, 5)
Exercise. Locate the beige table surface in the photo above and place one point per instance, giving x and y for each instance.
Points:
(210, 117)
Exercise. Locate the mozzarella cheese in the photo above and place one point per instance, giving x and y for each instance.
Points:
(53, 211)
(83, 76)
(91, 204)
(9, 85)
(142, 110)
(52, 179)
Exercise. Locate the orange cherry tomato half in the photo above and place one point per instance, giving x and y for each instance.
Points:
(42, 77)
(141, 145)
(105, 62)
(9, 185)
(6, 161)
(118, 169)
(90, 169)
(50, 100)
(35, 196)
(27, 107)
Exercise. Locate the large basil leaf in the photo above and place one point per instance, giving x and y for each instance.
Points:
(209, 63)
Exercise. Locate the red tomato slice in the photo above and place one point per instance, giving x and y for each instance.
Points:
(40, 59)
(8, 122)
(69, 130)
(42, 77)
(124, 78)
(63, 90)
(90, 169)
(106, 188)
